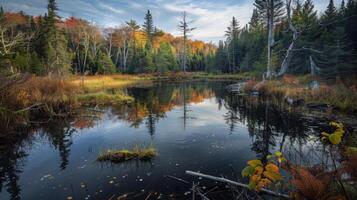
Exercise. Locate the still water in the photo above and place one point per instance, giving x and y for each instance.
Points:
(196, 126)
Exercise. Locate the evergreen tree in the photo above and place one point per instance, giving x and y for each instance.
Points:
(52, 44)
(232, 35)
(165, 59)
(149, 29)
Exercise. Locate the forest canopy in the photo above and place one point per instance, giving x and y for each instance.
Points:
(290, 36)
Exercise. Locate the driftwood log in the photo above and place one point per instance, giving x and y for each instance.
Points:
(224, 180)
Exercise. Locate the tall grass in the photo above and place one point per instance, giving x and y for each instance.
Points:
(336, 93)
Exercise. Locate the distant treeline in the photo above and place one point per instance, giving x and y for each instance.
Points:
(48, 44)
(326, 40)
(283, 36)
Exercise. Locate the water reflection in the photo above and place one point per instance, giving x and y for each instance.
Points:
(269, 126)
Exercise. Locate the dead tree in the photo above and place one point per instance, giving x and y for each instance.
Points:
(184, 28)
(289, 53)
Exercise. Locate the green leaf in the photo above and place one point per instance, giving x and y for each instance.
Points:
(278, 154)
(248, 171)
(255, 163)
(252, 185)
(335, 138)
(351, 150)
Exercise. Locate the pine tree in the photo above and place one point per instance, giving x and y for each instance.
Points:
(165, 60)
(232, 35)
(2, 15)
(149, 29)
(52, 44)
(255, 21)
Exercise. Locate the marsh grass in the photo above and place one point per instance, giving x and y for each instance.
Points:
(101, 82)
(339, 94)
(111, 155)
(104, 98)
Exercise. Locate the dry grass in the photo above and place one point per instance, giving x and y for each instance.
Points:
(126, 155)
(337, 94)
(103, 98)
(98, 83)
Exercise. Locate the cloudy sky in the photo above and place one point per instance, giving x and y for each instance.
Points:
(210, 16)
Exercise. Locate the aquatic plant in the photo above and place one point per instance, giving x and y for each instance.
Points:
(123, 155)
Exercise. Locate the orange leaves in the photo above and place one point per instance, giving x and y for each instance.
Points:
(310, 186)
(260, 175)
(272, 168)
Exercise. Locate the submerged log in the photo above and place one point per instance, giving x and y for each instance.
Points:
(224, 180)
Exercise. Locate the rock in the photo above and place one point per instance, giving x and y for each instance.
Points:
(294, 102)
(314, 85)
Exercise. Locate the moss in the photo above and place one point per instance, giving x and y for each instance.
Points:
(126, 155)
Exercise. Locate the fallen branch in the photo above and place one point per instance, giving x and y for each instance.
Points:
(224, 180)
(28, 108)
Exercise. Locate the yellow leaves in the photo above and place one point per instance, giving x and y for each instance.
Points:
(260, 175)
(259, 170)
(273, 176)
(272, 168)
(336, 137)
(337, 125)
(255, 163)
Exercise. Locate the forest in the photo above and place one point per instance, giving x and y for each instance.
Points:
(132, 111)
(299, 37)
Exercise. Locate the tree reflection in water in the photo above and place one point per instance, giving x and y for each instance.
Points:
(271, 126)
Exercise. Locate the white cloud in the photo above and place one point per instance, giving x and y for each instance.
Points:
(211, 19)
(111, 9)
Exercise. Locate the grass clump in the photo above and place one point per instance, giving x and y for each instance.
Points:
(90, 84)
(104, 98)
(123, 155)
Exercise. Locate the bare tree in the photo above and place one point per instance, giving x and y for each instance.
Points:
(289, 53)
(186, 30)
(8, 41)
(121, 40)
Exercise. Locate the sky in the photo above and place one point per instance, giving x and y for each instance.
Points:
(210, 17)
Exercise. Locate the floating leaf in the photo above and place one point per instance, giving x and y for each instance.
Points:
(335, 138)
(255, 163)
(248, 171)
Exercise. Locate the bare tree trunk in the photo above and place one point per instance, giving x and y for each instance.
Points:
(270, 18)
(289, 53)
(313, 67)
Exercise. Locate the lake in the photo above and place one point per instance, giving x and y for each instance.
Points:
(197, 126)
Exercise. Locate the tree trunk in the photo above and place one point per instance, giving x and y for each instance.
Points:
(289, 53)
(270, 16)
